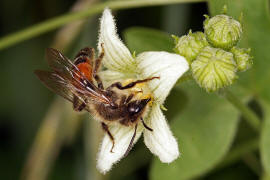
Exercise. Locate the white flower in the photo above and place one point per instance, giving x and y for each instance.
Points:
(121, 65)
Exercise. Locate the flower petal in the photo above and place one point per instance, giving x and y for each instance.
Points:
(117, 56)
(169, 67)
(108, 76)
(122, 136)
(160, 141)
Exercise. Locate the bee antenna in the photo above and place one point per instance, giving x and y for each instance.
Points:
(131, 141)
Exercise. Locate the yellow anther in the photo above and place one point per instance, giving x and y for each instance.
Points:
(147, 96)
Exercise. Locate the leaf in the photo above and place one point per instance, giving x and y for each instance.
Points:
(235, 172)
(205, 130)
(265, 137)
(256, 30)
(141, 39)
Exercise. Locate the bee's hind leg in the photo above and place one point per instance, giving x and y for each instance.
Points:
(96, 68)
(106, 129)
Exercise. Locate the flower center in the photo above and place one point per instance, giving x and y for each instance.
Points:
(140, 90)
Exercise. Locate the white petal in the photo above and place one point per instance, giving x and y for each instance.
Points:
(117, 56)
(122, 136)
(169, 67)
(108, 76)
(160, 141)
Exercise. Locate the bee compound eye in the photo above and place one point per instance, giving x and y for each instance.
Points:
(133, 109)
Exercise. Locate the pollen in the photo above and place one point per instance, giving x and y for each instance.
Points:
(147, 96)
(140, 90)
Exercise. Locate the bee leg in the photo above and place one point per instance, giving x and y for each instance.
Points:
(147, 127)
(97, 65)
(131, 141)
(106, 129)
(77, 105)
(125, 99)
(129, 98)
(132, 84)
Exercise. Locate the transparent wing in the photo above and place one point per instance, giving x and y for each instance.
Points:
(60, 86)
(63, 67)
(61, 64)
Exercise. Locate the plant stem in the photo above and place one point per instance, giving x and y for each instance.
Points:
(239, 152)
(251, 118)
(56, 22)
(46, 145)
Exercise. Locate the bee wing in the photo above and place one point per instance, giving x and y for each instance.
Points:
(67, 70)
(59, 85)
(70, 74)
(60, 64)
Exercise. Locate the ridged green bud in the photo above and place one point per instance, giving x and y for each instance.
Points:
(190, 45)
(214, 68)
(222, 31)
(242, 58)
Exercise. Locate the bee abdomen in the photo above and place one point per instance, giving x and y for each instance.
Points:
(88, 52)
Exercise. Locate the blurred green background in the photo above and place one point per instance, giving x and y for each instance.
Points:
(42, 138)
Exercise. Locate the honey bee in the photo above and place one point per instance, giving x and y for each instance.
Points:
(80, 83)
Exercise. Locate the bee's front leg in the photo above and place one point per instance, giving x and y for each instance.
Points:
(124, 99)
(132, 84)
(147, 127)
(131, 141)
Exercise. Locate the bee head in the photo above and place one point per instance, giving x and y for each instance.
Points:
(135, 108)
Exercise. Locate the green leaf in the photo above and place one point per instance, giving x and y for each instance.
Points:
(256, 28)
(205, 130)
(265, 138)
(238, 171)
(141, 39)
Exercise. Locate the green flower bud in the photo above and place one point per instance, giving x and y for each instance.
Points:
(222, 31)
(242, 58)
(190, 45)
(214, 68)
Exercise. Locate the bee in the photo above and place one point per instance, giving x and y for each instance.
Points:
(80, 84)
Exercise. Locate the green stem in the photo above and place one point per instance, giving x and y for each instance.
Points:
(251, 118)
(56, 22)
(239, 152)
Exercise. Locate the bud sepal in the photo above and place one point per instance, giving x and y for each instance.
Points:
(214, 68)
(222, 31)
(242, 58)
(190, 45)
